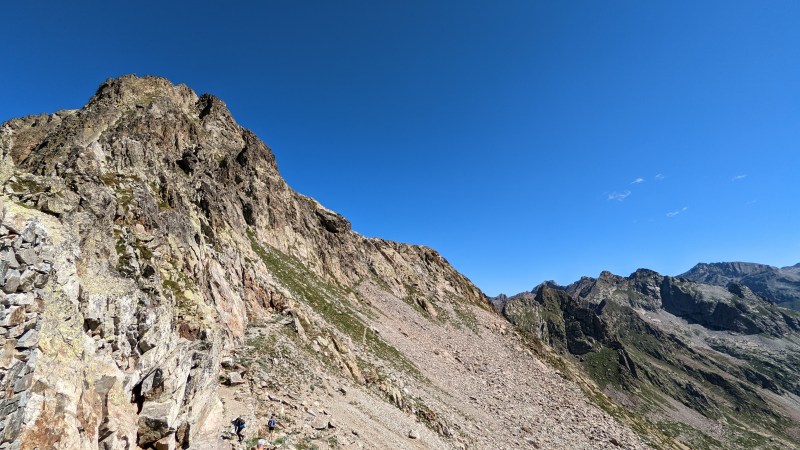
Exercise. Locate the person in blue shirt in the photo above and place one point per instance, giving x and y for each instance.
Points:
(272, 424)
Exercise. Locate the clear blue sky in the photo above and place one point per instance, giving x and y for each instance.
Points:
(524, 140)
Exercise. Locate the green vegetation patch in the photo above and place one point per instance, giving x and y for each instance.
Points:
(603, 366)
(328, 301)
(26, 185)
(692, 437)
(466, 317)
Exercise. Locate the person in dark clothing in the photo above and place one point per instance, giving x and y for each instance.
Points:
(238, 426)
(272, 424)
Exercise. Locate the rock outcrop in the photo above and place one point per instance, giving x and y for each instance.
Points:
(159, 278)
(130, 262)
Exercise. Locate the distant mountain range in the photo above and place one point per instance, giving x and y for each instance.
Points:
(779, 285)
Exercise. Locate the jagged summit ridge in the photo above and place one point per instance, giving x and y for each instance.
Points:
(779, 285)
(184, 133)
(202, 125)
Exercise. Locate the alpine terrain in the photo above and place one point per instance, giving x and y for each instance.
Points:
(160, 280)
(778, 285)
(713, 365)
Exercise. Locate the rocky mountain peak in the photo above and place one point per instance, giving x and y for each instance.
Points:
(606, 275)
(171, 234)
(779, 285)
(644, 274)
(731, 270)
(131, 91)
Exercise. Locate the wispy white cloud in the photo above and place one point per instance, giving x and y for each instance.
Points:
(739, 177)
(676, 212)
(659, 177)
(619, 196)
(638, 180)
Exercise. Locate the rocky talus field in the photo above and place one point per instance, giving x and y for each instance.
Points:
(159, 279)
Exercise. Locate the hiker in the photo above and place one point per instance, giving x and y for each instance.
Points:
(238, 426)
(262, 444)
(272, 424)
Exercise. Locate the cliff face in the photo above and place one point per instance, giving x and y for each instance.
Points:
(714, 367)
(132, 230)
(151, 250)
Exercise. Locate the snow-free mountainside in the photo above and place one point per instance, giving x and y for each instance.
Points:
(160, 279)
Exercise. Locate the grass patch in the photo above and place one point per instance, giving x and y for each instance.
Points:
(466, 317)
(603, 366)
(329, 302)
(25, 185)
(417, 301)
(748, 439)
(190, 309)
(688, 435)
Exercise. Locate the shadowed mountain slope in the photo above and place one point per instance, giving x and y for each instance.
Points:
(713, 367)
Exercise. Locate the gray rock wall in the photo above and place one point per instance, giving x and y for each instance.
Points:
(25, 267)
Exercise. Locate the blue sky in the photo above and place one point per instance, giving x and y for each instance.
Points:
(524, 140)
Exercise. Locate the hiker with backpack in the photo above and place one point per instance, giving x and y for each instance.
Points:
(272, 424)
(238, 426)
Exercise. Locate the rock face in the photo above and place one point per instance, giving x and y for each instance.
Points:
(130, 262)
(147, 240)
(715, 366)
(778, 285)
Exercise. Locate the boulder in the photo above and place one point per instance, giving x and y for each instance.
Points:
(10, 258)
(28, 256)
(321, 422)
(29, 234)
(12, 280)
(235, 379)
(27, 280)
(29, 339)
(166, 443)
(227, 363)
(155, 423)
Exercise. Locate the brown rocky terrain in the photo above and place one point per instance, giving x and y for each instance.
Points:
(159, 278)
